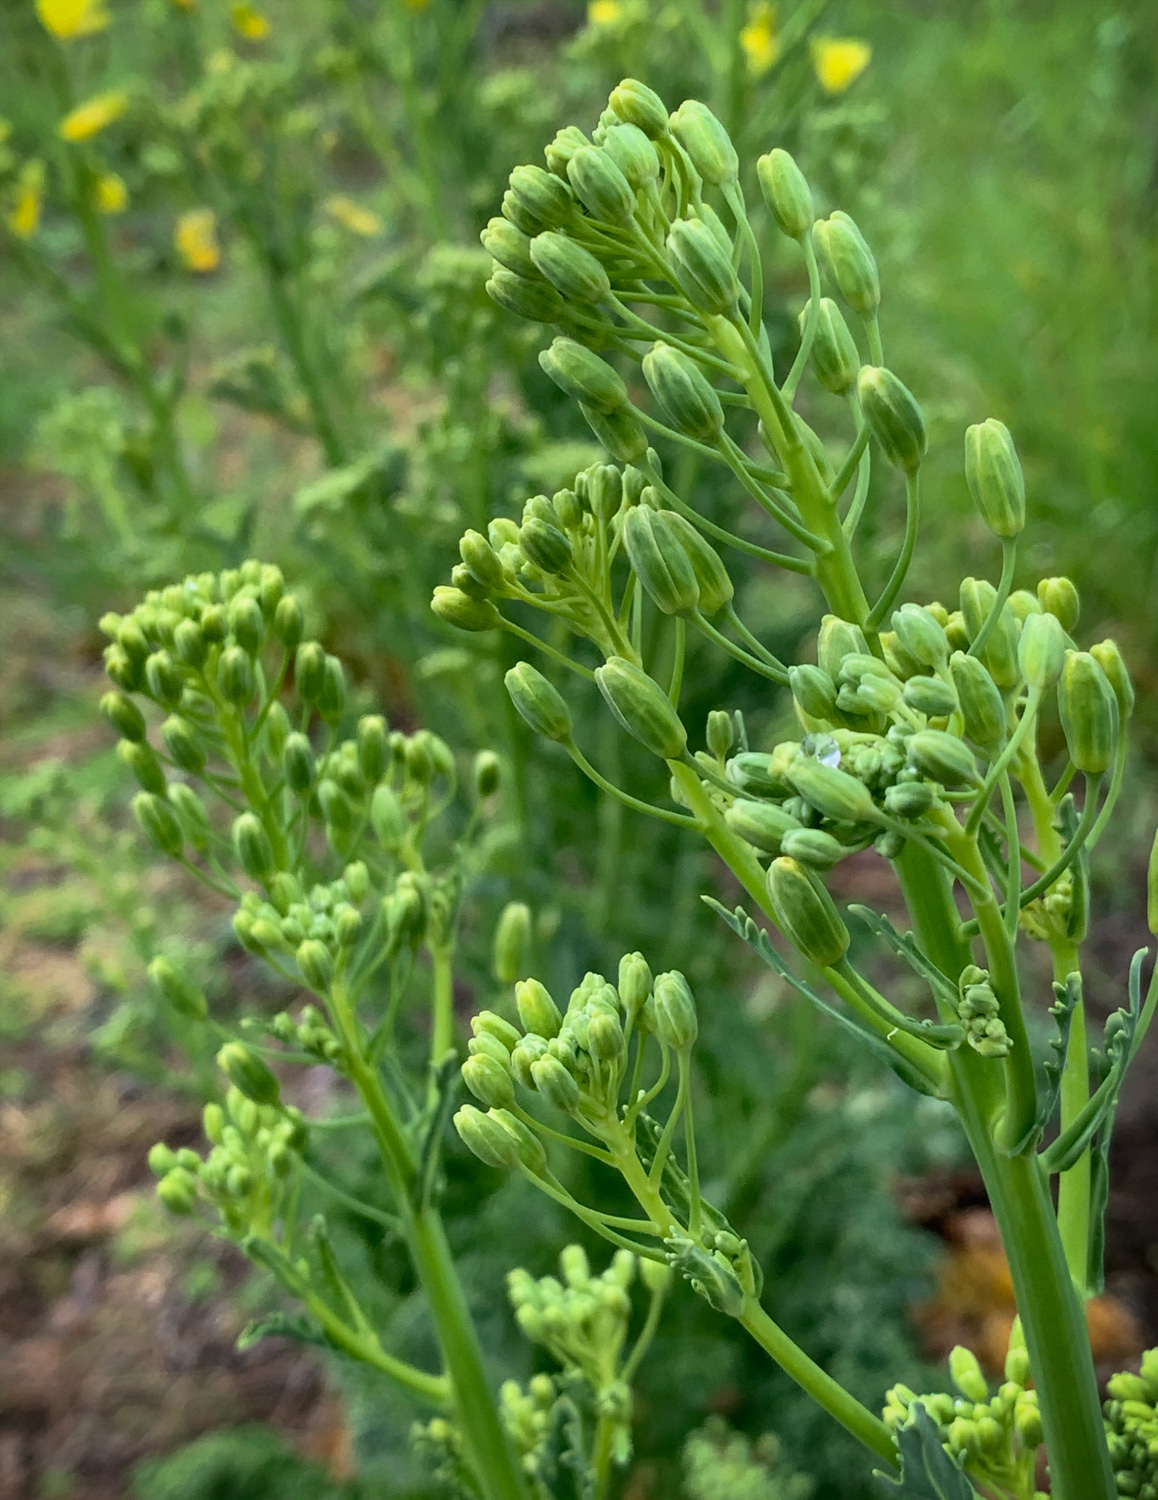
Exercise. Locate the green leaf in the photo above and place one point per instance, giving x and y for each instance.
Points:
(282, 1326)
(927, 1471)
(904, 947)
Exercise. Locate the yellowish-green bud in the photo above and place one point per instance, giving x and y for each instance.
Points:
(930, 696)
(786, 192)
(712, 578)
(993, 474)
(141, 759)
(309, 670)
(838, 639)
(965, 1372)
(182, 993)
(633, 983)
(537, 200)
(909, 799)
(252, 847)
(332, 697)
(675, 1011)
(177, 1190)
(512, 942)
(373, 740)
(161, 1159)
(1060, 597)
(834, 356)
(1041, 650)
(1089, 713)
(850, 262)
(1109, 658)
(762, 824)
(583, 375)
(720, 732)
(537, 300)
(191, 814)
(248, 1073)
(556, 1084)
(158, 822)
(620, 432)
(659, 561)
(833, 792)
(487, 773)
(166, 683)
(941, 757)
(573, 271)
(636, 104)
(124, 715)
(235, 675)
(814, 691)
(275, 731)
(893, 415)
(563, 147)
(545, 546)
(642, 707)
(807, 913)
(316, 963)
(487, 1138)
(337, 809)
(539, 702)
(247, 623)
(183, 744)
(600, 186)
(509, 246)
(289, 621)
(531, 1152)
(921, 635)
(706, 141)
(813, 847)
(702, 267)
(684, 392)
(1027, 1420)
(633, 153)
(463, 612)
(298, 763)
(537, 1010)
(605, 1040)
(488, 1081)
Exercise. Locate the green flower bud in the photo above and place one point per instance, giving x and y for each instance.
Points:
(787, 194)
(552, 1079)
(289, 622)
(545, 546)
(712, 578)
(177, 1190)
(814, 691)
(941, 757)
(336, 807)
(509, 246)
(573, 271)
(636, 104)
(122, 669)
(141, 760)
(701, 267)
(993, 474)
(632, 152)
(298, 764)
(633, 983)
(373, 738)
(1027, 1420)
(832, 792)
(512, 943)
(850, 262)
(921, 636)
(965, 1372)
(124, 715)
(1023, 604)
(721, 733)
(838, 639)
(537, 1011)
(539, 703)
(620, 432)
(762, 824)
(214, 624)
(252, 847)
(481, 559)
(642, 707)
(563, 147)
(191, 815)
(894, 417)
(487, 774)
(166, 683)
(834, 356)
(316, 964)
(675, 1011)
(248, 1073)
(706, 141)
(1059, 596)
(1109, 658)
(537, 301)
(235, 677)
(275, 731)
(814, 848)
(1000, 654)
(158, 822)
(688, 400)
(464, 613)
(131, 639)
(583, 375)
(600, 186)
(161, 1159)
(1089, 712)
(1041, 650)
(752, 773)
(183, 745)
(175, 985)
(532, 1154)
(538, 200)
(930, 696)
(331, 702)
(189, 643)
(488, 1081)
(463, 579)
(605, 1039)
(807, 913)
(487, 1138)
(909, 799)
(659, 561)
(309, 671)
(247, 623)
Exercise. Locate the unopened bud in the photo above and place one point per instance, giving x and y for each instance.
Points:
(141, 759)
(488, 1081)
(993, 474)
(556, 1084)
(712, 577)
(965, 1372)
(833, 792)
(538, 200)
(537, 301)
(633, 153)
(487, 773)
(941, 757)
(813, 847)
(761, 824)
(1109, 658)
(807, 913)
(247, 623)
(634, 983)
(537, 1010)
(620, 432)
(675, 1011)
(600, 186)
(124, 716)
(573, 271)
(659, 561)
(1089, 712)
(909, 799)
(835, 357)
(1041, 650)
(706, 141)
(373, 739)
(510, 246)
(930, 696)
(701, 266)
(512, 943)
(186, 997)
(252, 847)
(838, 639)
(642, 707)
(463, 612)
(331, 701)
(316, 963)
(185, 747)
(158, 822)
(545, 546)
(1060, 597)
(684, 392)
(309, 671)
(532, 1155)
(177, 1190)
(487, 1138)
(583, 375)
(786, 192)
(638, 105)
(921, 636)
(850, 262)
(248, 1073)
(721, 733)
(539, 703)
(892, 413)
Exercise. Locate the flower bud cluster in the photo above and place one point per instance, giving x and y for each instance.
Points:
(996, 1437)
(1132, 1429)
(977, 1010)
(254, 1147)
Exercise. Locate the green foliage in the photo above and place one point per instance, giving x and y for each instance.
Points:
(240, 1463)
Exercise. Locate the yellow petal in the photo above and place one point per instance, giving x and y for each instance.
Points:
(67, 19)
(24, 220)
(604, 12)
(839, 62)
(250, 22)
(353, 216)
(195, 237)
(111, 193)
(93, 116)
(760, 43)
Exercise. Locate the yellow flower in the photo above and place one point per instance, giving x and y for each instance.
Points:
(112, 196)
(67, 19)
(353, 216)
(604, 12)
(249, 21)
(24, 220)
(839, 63)
(93, 116)
(762, 47)
(196, 239)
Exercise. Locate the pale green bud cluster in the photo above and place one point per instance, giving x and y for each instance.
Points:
(995, 1436)
(530, 1417)
(977, 1010)
(1132, 1429)
(720, 1464)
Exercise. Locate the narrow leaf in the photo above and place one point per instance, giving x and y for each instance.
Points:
(927, 1471)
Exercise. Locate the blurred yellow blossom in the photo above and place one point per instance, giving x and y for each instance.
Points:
(112, 195)
(67, 19)
(24, 219)
(839, 62)
(93, 116)
(604, 12)
(353, 216)
(249, 21)
(761, 44)
(196, 239)
(416, 4)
